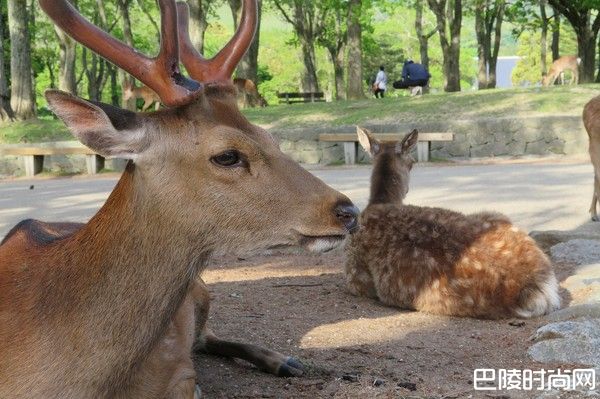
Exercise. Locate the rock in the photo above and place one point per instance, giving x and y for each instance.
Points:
(350, 377)
(547, 239)
(575, 342)
(578, 251)
(584, 285)
(588, 310)
(411, 386)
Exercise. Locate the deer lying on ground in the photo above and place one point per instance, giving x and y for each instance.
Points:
(439, 261)
(562, 64)
(143, 92)
(591, 121)
(248, 95)
(112, 308)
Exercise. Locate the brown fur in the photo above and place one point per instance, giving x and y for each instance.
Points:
(558, 67)
(143, 92)
(105, 311)
(439, 261)
(591, 120)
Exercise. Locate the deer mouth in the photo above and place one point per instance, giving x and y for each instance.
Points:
(321, 243)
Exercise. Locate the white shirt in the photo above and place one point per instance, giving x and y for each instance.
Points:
(381, 80)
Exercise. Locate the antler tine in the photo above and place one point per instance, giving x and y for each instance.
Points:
(222, 65)
(161, 74)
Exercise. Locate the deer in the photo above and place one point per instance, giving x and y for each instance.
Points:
(558, 67)
(591, 121)
(143, 92)
(114, 307)
(248, 95)
(439, 261)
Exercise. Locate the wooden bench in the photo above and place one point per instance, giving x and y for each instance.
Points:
(33, 154)
(350, 141)
(291, 98)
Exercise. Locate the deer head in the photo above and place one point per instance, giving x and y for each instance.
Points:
(201, 165)
(392, 163)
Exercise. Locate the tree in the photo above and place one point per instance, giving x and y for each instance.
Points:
(421, 35)
(489, 16)
(125, 78)
(67, 79)
(6, 113)
(248, 66)
(448, 14)
(355, 76)
(334, 38)
(22, 98)
(308, 20)
(586, 24)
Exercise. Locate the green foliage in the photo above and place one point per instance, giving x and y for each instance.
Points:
(34, 131)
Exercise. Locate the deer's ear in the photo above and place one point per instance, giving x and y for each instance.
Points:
(368, 141)
(108, 130)
(408, 143)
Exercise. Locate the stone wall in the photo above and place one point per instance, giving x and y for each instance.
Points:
(549, 135)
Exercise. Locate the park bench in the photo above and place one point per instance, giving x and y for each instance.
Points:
(291, 98)
(33, 154)
(350, 141)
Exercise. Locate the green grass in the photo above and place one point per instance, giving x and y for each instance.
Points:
(517, 103)
(36, 131)
(522, 102)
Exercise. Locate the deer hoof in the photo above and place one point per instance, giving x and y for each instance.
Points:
(197, 392)
(595, 218)
(291, 368)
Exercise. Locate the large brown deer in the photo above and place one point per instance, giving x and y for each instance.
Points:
(439, 261)
(591, 121)
(143, 92)
(112, 308)
(558, 67)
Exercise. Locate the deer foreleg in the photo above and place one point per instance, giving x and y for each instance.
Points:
(595, 199)
(207, 342)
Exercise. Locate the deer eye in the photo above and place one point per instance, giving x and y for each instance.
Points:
(228, 159)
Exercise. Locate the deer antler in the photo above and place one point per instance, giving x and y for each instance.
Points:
(222, 65)
(161, 73)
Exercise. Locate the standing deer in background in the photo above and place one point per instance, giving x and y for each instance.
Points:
(562, 64)
(248, 95)
(439, 261)
(143, 92)
(591, 121)
(112, 308)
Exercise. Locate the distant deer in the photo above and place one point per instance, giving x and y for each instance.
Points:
(143, 92)
(591, 121)
(248, 95)
(439, 261)
(112, 308)
(562, 64)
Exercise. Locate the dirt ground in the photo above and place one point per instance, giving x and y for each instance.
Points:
(352, 347)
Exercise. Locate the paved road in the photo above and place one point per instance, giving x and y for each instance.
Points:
(537, 196)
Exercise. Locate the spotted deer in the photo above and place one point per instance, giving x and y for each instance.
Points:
(558, 67)
(591, 121)
(439, 261)
(143, 92)
(113, 307)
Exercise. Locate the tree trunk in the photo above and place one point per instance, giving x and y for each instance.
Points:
(493, 59)
(6, 113)
(355, 76)
(124, 77)
(198, 23)
(544, 37)
(248, 66)
(67, 80)
(448, 14)
(423, 38)
(336, 53)
(22, 99)
(555, 46)
(482, 51)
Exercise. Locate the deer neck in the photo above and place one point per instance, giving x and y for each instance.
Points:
(388, 184)
(134, 269)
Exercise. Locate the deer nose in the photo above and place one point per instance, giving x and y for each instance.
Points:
(347, 214)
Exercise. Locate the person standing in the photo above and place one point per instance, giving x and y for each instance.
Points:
(413, 75)
(380, 84)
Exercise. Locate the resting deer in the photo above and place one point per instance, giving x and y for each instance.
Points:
(112, 308)
(439, 261)
(562, 64)
(143, 92)
(248, 95)
(591, 121)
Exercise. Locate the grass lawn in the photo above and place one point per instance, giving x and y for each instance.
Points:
(522, 102)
